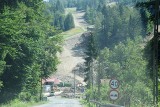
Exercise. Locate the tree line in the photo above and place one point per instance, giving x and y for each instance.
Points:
(120, 30)
(28, 47)
(29, 42)
(56, 8)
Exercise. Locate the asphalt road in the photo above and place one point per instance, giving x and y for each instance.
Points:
(61, 102)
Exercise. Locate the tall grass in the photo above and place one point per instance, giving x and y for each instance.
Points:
(18, 103)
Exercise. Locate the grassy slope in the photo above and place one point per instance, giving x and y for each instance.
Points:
(73, 31)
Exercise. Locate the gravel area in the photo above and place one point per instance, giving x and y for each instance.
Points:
(73, 53)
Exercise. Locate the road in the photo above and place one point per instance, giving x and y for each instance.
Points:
(61, 102)
(70, 57)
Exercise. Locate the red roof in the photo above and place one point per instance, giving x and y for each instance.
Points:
(52, 79)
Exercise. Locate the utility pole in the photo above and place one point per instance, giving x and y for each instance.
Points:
(155, 54)
(75, 83)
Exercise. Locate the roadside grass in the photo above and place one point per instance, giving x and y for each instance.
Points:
(18, 103)
(72, 32)
(86, 104)
(83, 102)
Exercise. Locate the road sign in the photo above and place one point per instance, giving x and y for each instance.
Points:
(114, 83)
(114, 95)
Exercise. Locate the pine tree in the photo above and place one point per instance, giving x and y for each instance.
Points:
(91, 53)
(69, 22)
(59, 6)
(28, 48)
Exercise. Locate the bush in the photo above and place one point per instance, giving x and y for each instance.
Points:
(16, 103)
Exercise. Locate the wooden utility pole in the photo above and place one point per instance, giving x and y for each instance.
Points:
(155, 54)
(75, 83)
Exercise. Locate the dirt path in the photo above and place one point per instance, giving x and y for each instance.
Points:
(72, 54)
(79, 20)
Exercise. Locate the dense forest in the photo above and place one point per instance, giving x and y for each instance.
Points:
(118, 47)
(28, 49)
(60, 19)
(29, 42)
(123, 51)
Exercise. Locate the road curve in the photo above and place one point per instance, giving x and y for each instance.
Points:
(61, 102)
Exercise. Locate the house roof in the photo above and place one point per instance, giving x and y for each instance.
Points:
(52, 79)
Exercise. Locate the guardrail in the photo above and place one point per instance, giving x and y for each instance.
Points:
(98, 104)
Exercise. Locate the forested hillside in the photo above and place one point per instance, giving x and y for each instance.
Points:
(28, 47)
(119, 34)
(56, 8)
(119, 46)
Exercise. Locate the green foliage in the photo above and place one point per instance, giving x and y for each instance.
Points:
(158, 90)
(55, 6)
(18, 103)
(126, 63)
(119, 23)
(90, 15)
(69, 22)
(28, 50)
(151, 7)
(2, 66)
(71, 3)
(148, 25)
(91, 54)
(31, 80)
(55, 9)
(117, 29)
(130, 2)
(64, 3)
(64, 85)
(60, 20)
(83, 4)
(72, 32)
(59, 7)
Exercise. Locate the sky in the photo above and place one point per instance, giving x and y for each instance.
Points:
(45, 0)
